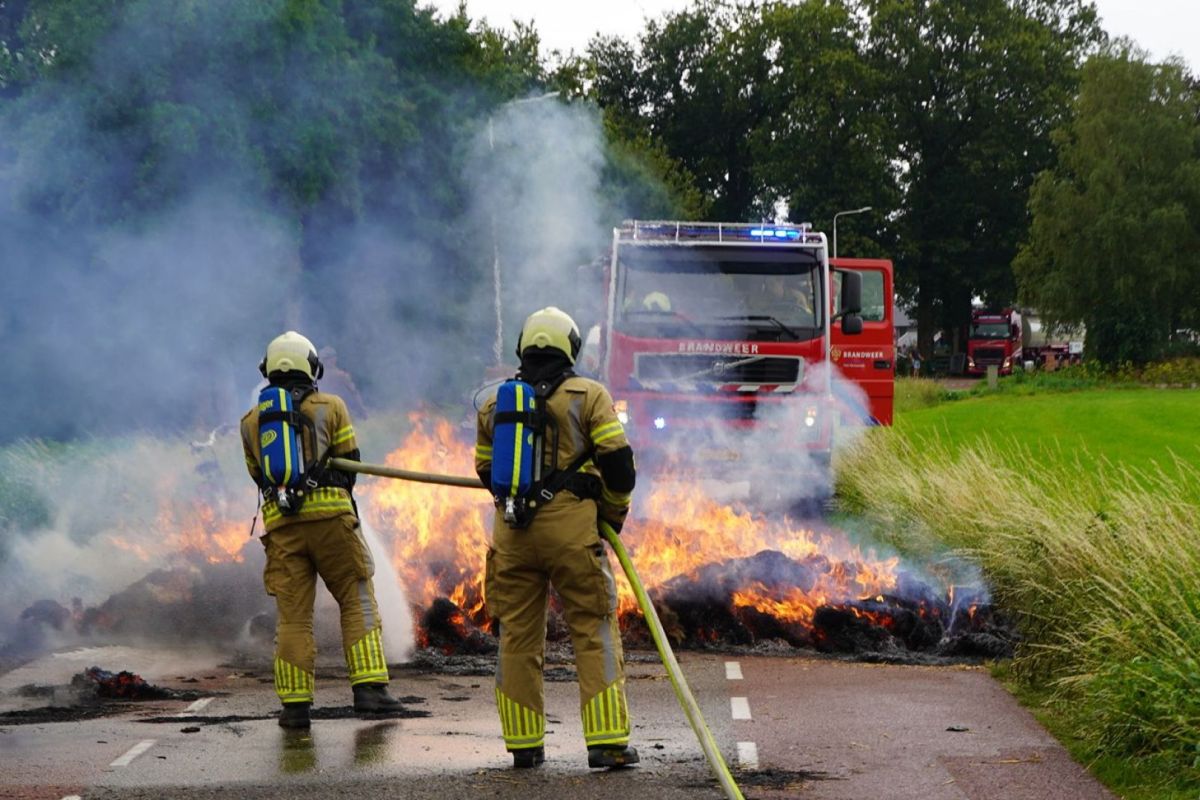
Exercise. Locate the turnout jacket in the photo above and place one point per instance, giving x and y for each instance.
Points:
(587, 421)
(334, 435)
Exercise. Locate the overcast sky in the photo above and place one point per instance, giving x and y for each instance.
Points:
(1164, 27)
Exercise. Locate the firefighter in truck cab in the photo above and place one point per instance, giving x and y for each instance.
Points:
(312, 529)
(555, 456)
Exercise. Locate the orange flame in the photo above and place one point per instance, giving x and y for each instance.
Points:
(191, 528)
(439, 536)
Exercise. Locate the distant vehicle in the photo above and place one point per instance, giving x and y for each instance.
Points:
(716, 327)
(1009, 339)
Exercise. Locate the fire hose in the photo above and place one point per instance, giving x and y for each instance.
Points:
(684, 694)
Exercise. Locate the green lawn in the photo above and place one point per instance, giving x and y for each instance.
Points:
(1138, 428)
(1080, 509)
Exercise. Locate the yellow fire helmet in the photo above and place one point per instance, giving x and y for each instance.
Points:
(656, 301)
(550, 327)
(291, 351)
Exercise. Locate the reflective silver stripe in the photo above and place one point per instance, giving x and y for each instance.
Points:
(322, 443)
(575, 411)
(610, 653)
(364, 601)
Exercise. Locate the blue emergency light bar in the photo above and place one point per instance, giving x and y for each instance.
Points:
(775, 233)
(659, 231)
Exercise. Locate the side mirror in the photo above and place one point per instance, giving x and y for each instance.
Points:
(851, 293)
(852, 324)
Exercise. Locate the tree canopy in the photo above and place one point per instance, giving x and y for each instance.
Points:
(935, 113)
(1116, 221)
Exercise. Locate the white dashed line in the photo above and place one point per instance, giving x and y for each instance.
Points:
(194, 707)
(133, 753)
(747, 755)
(740, 706)
(733, 671)
(72, 797)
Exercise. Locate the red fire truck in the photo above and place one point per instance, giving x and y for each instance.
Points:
(722, 338)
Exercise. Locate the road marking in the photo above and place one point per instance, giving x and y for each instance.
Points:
(747, 755)
(72, 797)
(133, 753)
(740, 706)
(733, 671)
(194, 707)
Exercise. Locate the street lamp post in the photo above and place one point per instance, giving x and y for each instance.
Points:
(844, 214)
(498, 345)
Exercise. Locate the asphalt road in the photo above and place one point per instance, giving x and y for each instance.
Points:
(791, 727)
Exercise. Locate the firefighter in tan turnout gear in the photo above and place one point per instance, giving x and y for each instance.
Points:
(588, 469)
(311, 529)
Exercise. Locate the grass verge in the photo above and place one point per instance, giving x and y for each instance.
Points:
(1097, 557)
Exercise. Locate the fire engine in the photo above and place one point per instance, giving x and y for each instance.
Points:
(726, 342)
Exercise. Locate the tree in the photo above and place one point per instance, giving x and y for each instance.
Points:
(1116, 221)
(823, 144)
(974, 89)
(696, 84)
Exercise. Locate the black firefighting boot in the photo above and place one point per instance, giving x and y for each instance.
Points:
(528, 757)
(295, 715)
(373, 698)
(612, 756)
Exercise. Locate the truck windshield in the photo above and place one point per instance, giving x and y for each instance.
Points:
(989, 330)
(722, 292)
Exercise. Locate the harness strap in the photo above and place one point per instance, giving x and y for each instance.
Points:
(519, 417)
(290, 417)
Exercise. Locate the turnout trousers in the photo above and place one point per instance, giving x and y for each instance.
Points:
(335, 550)
(561, 547)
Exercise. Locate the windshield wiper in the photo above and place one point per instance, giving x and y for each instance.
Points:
(766, 318)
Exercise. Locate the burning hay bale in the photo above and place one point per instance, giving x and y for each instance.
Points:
(770, 596)
(124, 685)
(445, 627)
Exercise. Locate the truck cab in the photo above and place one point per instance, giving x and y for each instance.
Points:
(717, 342)
(995, 340)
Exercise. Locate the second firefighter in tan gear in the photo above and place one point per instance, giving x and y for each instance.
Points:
(562, 546)
(321, 537)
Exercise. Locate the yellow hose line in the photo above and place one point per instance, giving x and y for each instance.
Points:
(684, 694)
(404, 474)
(686, 701)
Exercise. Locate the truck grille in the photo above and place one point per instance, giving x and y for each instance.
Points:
(699, 410)
(989, 355)
(704, 368)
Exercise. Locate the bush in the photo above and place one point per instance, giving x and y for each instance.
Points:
(1177, 372)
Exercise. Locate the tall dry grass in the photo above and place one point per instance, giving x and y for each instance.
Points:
(1101, 568)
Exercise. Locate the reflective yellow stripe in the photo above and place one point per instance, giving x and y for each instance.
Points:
(520, 431)
(482, 451)
(327, 500)
(606, 717)
(292, 684)
(522, 726)
(287, 451)
(615, 498)
(365, 659)
(343, 435)
(606, 432)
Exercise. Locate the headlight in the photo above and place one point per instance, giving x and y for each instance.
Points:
(660, 423)
(810, 417)
(622, 409)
